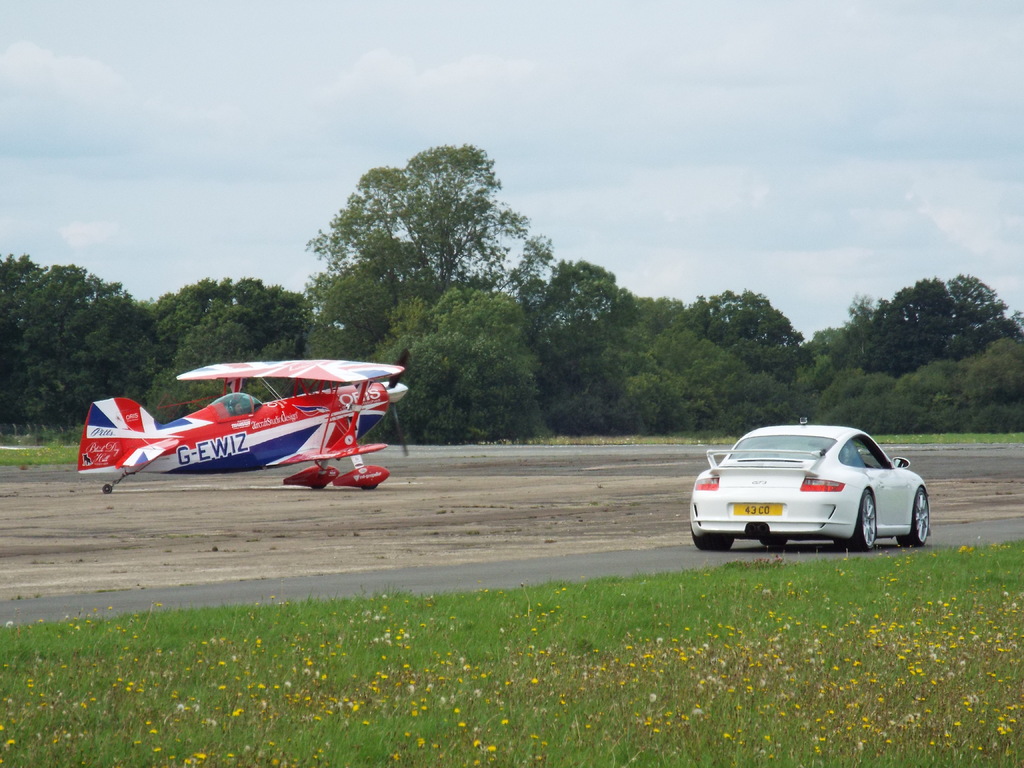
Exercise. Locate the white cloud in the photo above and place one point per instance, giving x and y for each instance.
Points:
(979, 215)
(28, 69)
(803, 150)
(61, 106)
(384, 72)
(82, 234)
(473, 98)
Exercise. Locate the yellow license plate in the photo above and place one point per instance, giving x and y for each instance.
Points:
(757, 510)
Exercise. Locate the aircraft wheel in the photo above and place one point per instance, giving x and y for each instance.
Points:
(368, 487)
(108, 488)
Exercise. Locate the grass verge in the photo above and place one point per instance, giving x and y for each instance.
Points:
(910, 659)
(38, 455)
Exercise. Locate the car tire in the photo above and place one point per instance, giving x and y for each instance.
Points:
(866, 532)
(712, 542)
(920, 521)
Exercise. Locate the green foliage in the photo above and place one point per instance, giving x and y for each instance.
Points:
(691, 384)
(580, 330)
(981, 318)
(747, 325)
(231, 321)
(509, 343)
(913, 328)
(414, 232)
(863, 400)
(226, 321)
(929, 321)
(933, 398)
(69, 338)
(353, 315)
(942, 357)
(997, 375)
(17, 280)
(473, 377)
(982, 393)
(683, 390)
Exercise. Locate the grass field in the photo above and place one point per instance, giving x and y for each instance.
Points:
(902, 660)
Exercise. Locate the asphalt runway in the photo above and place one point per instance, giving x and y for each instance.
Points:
(542, 514)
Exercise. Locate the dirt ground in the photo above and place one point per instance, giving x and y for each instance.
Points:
(61, 535)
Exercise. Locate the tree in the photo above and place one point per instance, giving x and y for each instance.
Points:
(527, 281)
(848, 347)
(932, 398)
(980, 318)
(752, 329)
(415, 232)
(579, 331)
(655, 316)
(996, 375)
(994, 387)
(82, 340)
(869, 401)
(928, 321)
(17, 277)
(692, 384)
(353, 314)
(193, 324)
(471, 375)
(227, 321)
(913, 328)
(683, 386)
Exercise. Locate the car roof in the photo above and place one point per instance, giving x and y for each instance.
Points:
(813, 430)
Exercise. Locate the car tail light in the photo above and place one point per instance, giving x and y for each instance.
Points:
(821, 485)
(706, 484)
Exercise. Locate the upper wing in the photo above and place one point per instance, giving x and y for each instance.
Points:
(348, 371)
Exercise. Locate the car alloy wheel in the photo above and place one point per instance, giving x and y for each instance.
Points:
(920, 522)
(866, 531)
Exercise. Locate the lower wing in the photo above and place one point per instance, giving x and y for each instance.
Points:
(330, 453)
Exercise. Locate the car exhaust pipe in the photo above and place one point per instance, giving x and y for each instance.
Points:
(757, 530)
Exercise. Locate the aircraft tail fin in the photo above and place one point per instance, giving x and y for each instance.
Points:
(112, 430)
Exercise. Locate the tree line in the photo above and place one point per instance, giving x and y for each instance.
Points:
(506, 342)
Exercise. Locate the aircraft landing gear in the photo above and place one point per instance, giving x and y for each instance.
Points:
(317, 477)
(109, 487)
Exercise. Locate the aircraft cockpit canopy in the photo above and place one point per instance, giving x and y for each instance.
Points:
(235, 404)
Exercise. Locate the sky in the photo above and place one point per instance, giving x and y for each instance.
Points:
(813, 152)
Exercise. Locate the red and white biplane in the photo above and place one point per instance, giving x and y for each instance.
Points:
(333, 404)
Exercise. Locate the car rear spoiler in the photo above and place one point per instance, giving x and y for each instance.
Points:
(751, 455)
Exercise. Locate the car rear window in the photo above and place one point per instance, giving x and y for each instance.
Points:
(769, 443)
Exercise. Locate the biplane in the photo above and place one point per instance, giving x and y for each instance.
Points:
(333, 404)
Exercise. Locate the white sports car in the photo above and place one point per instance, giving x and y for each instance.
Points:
(807, 482)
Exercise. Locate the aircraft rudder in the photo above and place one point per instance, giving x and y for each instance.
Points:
(106, 435)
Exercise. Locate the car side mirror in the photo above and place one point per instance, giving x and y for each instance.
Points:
(900, 463)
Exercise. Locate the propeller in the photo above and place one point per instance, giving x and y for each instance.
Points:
(396, 391)
(403, 360)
